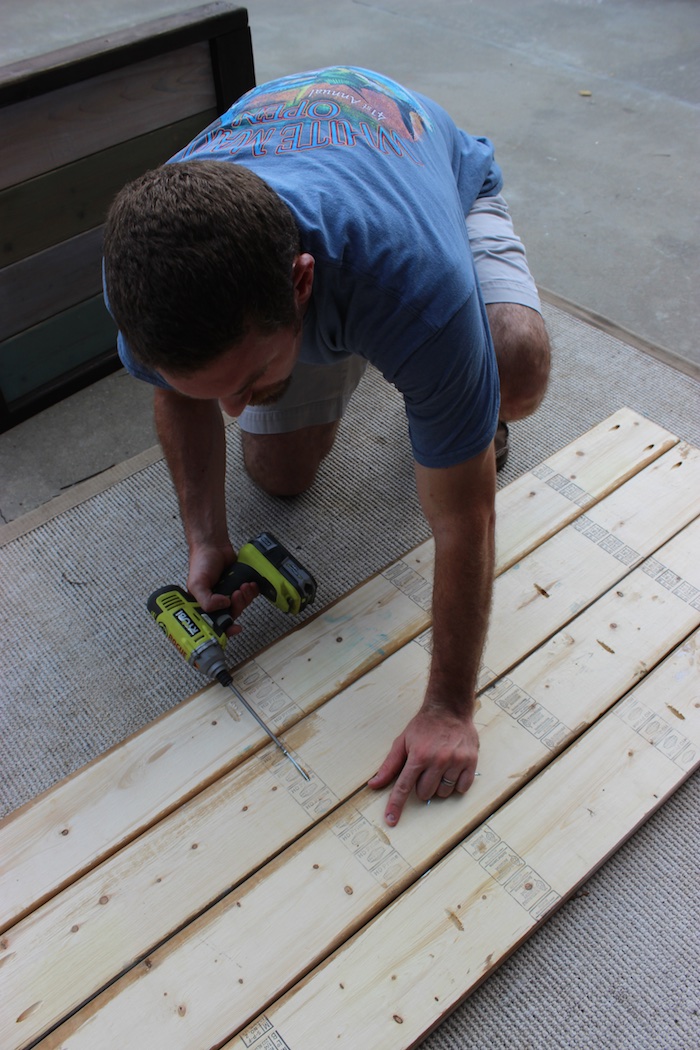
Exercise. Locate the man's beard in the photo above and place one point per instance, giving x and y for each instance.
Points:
(271, 394)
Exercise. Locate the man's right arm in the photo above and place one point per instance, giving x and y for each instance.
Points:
(191, 434)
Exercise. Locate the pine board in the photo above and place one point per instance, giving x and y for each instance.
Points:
(230, 804)
(412, 965)
(360, 866)
(51, 841)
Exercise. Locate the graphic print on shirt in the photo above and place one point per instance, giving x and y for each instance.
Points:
(336, 107)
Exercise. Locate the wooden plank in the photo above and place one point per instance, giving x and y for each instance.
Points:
(50, 841)
(348, 867)
(405, 972)
(84, 118)
(50, 282)
(41, 212)
(555, 581)
(574, 479)
(529, 510)
(521, 519)
(55, 347)
(160, 881)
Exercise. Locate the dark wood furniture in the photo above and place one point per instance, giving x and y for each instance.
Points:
(77, 124)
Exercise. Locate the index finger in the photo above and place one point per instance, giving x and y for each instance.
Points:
(405, 783)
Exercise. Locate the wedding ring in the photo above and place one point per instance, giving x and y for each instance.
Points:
(450, 783)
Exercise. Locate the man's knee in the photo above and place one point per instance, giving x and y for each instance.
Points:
(287, 464)
(523, 354)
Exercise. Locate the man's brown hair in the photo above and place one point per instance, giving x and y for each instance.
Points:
(195, 254)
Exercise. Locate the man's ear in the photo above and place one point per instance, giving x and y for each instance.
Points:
(303, 276)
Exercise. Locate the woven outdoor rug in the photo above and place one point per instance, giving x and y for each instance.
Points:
(617, 966)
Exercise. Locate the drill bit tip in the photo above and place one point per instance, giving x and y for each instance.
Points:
(263, 725)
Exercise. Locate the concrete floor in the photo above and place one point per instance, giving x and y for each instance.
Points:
(603, 186)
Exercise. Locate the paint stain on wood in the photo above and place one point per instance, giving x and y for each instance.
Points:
(676, 712)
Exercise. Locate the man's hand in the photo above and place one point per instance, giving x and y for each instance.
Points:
(192, 435)
(436, 754)
(207, 565)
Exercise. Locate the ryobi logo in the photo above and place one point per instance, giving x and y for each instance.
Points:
(188, 624)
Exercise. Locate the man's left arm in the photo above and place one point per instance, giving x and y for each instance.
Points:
(441, 740)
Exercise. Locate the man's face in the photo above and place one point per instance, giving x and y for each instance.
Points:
(254, 372)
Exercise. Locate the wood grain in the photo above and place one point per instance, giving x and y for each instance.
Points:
(350, 865)
(50, 842)
(50, 282)
(72, 122)
(70, 200)
(418, 959)
(184, 864)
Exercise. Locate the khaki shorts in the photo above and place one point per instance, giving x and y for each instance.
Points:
(320, 393)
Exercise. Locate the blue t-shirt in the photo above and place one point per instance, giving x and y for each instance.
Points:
(379, 181)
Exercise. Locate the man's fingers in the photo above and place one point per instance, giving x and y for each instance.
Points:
(241, 599)
(448, 783)
(402, 789)
(391, 765)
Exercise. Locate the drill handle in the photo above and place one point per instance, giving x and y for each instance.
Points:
(231, 581)
(239, 573)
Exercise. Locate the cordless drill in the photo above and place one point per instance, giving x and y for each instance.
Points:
(201, 637)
